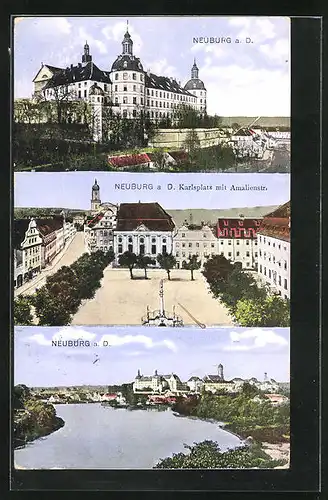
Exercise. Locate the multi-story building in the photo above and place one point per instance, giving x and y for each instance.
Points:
(98, 232)
(127, 87)
(159, 383)
(237, 240)
(274, 250)
(195, 384)
(144, 229)
(190, 240)
(36, 242)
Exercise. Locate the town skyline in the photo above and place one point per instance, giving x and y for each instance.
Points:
(263, 65)
(73, 190)
(244, 353)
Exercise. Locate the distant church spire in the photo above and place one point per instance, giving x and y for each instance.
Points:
(86, 56)
(194, 70)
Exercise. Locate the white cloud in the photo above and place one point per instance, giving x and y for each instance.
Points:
(116, 32)
(278, 51)
(69, 333)
(259, 338)
(93, 42)
(160, 67)
(52, 26)
(119, 340)
(39, 338)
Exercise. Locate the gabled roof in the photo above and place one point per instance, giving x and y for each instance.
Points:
(54, 69)
(131, 215)
(164, 83)
(276, 224)
(179, 155)
(47, 226)
(81, 72)
(129, 160)
(194, 379)
(216, 379)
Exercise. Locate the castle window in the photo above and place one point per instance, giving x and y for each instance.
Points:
(160, 104)
(85, 93)
(134, 113)
(125, 113)
(120, 249)
(79, 85)
(116, 76)
(134, 100)
(134, 76)
(115, 88)
(167, 96)
(201, 100)
(156, 104)
(105, 87)
(141, 99)
(134, 88)
(147, 91)
(171, 104)
(125, 88)
(141, 78)
(147, 102)
(152, 92)
(156, 93)
(152, 114)
(152, 103)
(116, 100)
(160, 94)
(125, 100)
(79, 94)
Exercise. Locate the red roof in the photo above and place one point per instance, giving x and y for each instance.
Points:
(237, 228)
(129, 160)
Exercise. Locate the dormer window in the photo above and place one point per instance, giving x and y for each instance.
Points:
(125, 65)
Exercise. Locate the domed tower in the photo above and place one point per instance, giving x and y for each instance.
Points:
(220, 371)
(196, 86)
(95, 197)
(96, 99)
(128, 81)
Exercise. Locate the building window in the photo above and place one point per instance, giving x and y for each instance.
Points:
(190, 245)
(130, 248)
(285, 266)
(279, 280)
(229, 242)
(134, 113)
(134, 100)
(285, 284)
(229, 254)
(247, 254)
(269, 273)
(125, 100)
(142, 249)
(163, 248)
(177, 254)
(183, 245)
(79, 94)
(153, 249)
(116, 76)
(237, 242)
(115, 88)
(120, 249)
(247, 242)
(260, 268)
(116, 100)
(147, 102)
(134, 88)
(237, 254)
(134, 76)
(125, 88)
(197, 245)
(141, 78)
(125, 75)
(85, 93)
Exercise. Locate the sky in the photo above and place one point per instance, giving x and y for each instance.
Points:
(244, 79)
(73, 189)
(244, 352)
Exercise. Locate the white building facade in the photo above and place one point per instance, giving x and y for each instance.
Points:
(191, 240)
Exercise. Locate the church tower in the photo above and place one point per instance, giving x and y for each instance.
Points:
(220, 371)
(95, 197)
(86, 56)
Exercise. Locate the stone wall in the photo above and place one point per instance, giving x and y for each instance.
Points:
(174, 138)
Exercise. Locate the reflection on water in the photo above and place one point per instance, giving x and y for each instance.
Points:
(96, 437)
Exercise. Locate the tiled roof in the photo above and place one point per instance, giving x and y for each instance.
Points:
(47, 226)
(95, 219)
(237, 228)
(78, 73)
(195, 83)
(194, 378)
(276, 224)
(129, 160)
(152, 215)
(164, 83)
(216, 379)
(179, 155)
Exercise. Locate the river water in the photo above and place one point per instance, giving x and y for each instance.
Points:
(97, 437)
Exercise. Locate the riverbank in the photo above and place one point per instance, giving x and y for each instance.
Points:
(35, 420)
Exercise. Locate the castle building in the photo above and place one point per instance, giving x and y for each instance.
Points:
(237, 240)
(127, 87)
(274, 250)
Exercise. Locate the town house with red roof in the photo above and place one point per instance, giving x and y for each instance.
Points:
(274, 250)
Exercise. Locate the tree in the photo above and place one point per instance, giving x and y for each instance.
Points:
(192, 144)
(192, 264)
(159, 159)
(166, 261)
(128, 259)
(22, 311)
(185, 116)
(143, 261)
(49, 309)
(217, 270)
(273, 311)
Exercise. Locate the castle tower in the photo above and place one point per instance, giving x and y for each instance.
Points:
(127, 43)
(87, 57)
(95, 197)
(220, 371)
(194, 70)
(96, 98)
